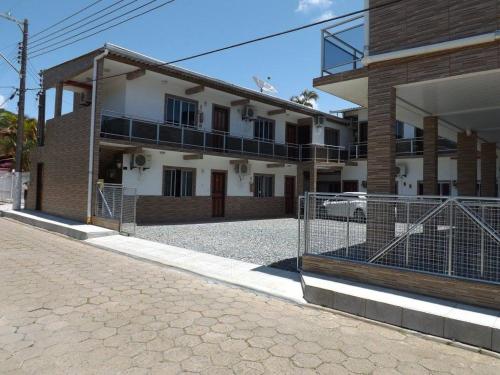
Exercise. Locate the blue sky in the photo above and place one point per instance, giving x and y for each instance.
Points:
(190, 26)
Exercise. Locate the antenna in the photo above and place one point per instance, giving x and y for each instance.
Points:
(265, 86)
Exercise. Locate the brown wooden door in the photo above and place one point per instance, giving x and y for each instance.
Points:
(39, 186)
(291, 133)
(218, 194)
(290, 195)
(220, 125)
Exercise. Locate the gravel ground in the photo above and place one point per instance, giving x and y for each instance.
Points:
(265, 242)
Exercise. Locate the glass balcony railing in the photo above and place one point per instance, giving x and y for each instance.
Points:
(117, 126)
(404, 147)
(343, 45)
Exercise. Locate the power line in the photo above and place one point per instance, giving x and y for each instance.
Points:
(9, 98)
(43, 39)
(102, 30)
(94, 27)
(66, 18)
(255, 40)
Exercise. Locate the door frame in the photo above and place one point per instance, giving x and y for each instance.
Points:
(296, 126)
(294, 197)
(223, 172)
(228, 109)
(39, 186)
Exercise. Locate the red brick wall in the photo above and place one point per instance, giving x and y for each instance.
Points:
(159, 209)
(65, 158)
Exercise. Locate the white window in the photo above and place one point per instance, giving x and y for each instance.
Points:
(179, 111)
(263, 186)
(264, 129)
(178, 182)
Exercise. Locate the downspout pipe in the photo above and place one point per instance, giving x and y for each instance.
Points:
(92, 135)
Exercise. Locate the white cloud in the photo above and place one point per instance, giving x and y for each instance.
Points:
(2, 99)
(325, 16)
(307, 5)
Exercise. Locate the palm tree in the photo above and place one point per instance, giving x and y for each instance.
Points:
(307, 98)
(8, 134)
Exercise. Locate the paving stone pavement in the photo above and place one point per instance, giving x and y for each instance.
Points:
(69, 308)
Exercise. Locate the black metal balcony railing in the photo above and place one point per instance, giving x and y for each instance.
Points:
(405, 147)
(343, 45)
(116, 126)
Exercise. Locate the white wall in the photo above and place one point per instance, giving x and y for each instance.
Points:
(408, 185)
(149, 182)
(144, 97)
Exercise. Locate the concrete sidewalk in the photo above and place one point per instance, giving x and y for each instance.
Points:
(272, 281)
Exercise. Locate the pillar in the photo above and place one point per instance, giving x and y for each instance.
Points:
(467, 164)
(58, 99)
(488, 169)
(431, 155)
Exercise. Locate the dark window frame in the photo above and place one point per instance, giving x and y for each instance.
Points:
(179, 171)
(264, 121)
(259, 194)
(181, 101)
(332, 131)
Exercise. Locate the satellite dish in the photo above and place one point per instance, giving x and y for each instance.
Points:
(265, 86)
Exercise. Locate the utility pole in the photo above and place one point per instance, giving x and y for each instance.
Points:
(18, 194)
(18, 186)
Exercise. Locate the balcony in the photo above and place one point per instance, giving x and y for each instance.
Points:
(342, 46)
(405, 147)
(121, 127)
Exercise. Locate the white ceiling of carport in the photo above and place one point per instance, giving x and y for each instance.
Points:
(468, 102)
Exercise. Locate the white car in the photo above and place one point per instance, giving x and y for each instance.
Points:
(347, 205)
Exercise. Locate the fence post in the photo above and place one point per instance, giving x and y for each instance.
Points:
(130, 129)
(121, 208)
(306, 222)
(298, 234)
(482, 242)
(407, 255)
(450, 242)
(348, 234)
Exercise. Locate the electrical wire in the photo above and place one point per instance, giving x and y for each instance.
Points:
(44, 39)
(66, 18)
(94, 27)
(255, 40)
(40, 52)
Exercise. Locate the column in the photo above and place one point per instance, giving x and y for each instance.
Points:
(431, 155)
(58, 100)
(488, 169)
(41, 119)
(467, 164)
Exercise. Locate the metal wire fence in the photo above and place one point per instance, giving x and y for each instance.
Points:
(457, 237)
(117, 203)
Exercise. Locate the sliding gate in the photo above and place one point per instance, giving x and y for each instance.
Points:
(455, 237)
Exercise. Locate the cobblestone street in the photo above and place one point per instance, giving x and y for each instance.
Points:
(67, 307)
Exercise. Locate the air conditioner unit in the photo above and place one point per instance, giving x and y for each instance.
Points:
(242, 169)
(85, 98)
(401, 170)
(248, 112)
(141, 160)
(319, 120)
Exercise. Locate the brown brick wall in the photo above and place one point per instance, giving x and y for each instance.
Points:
(431, 156)
(470, 292)
(467, 164)
(413, 23)
(65, 158)
(254, 208)
(159, 209)
(488, 169)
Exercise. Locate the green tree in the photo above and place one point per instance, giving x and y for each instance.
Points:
(306, 97)
(8, 134)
